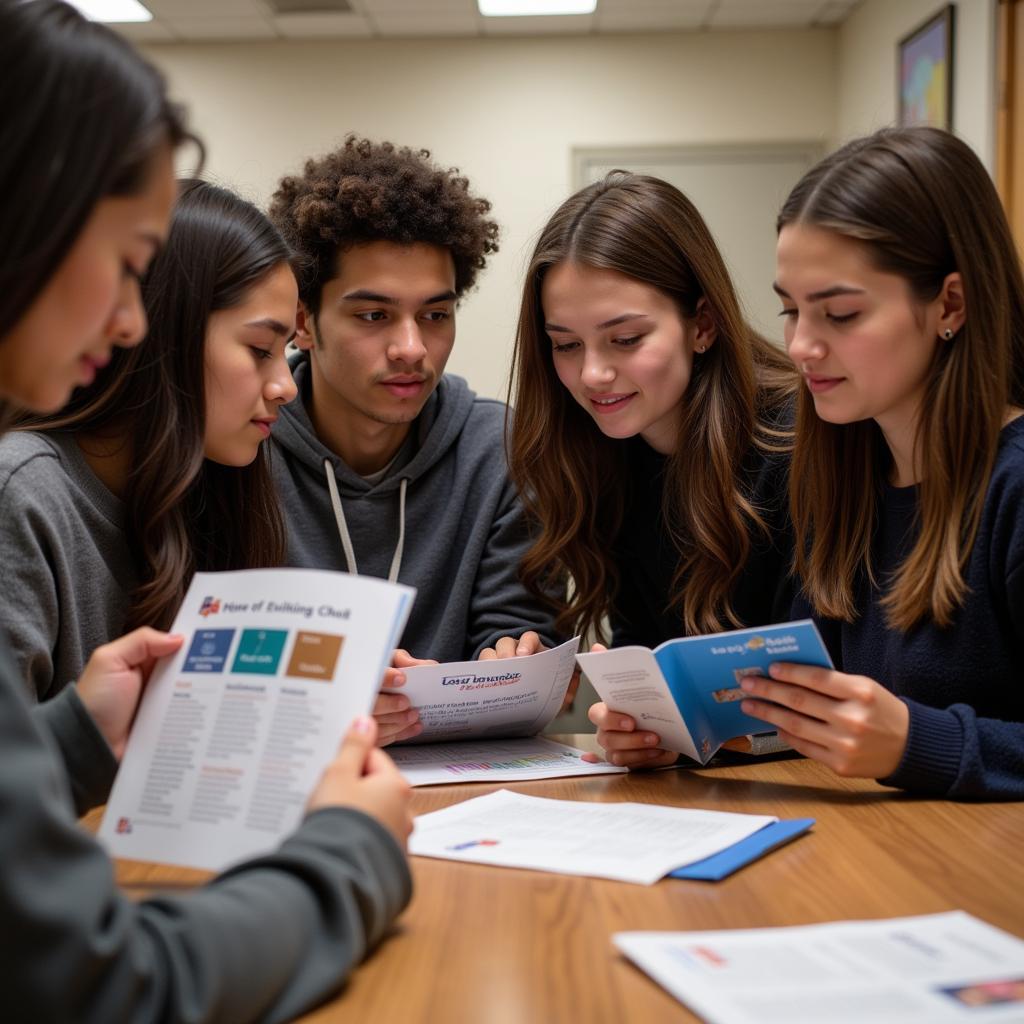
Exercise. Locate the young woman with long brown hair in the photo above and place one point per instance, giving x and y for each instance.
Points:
(158, 469)
(648, 439)
(86, 188)
(904, 301)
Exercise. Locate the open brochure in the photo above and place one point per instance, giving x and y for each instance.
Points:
(688, 690)
(512, 760)
(934, 969)
(629, 842)
(472, 700)
(234, 731)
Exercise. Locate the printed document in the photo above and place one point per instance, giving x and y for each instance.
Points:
(514, 760)
(935, 969)
(468, 700)
(234, 730)
(629, 842)
(688, 690)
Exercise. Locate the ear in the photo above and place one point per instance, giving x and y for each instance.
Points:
(951, 305)
(305, 328)
(703, 325)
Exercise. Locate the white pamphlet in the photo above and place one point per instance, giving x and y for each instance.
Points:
(234, 730)
(466, 700)
(934, 969)
(514, 760)
(629, 842)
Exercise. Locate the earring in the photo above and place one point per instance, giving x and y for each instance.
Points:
(947, 334)
(702, 349)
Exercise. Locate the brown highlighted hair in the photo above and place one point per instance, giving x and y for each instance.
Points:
(368, 191)
(922, 206)
(573, 479)
(183, 512)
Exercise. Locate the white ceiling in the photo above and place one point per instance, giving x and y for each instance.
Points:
(195, 20)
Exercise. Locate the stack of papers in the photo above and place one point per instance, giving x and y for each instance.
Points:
(935, 969)
(517, 760)
(629, 842)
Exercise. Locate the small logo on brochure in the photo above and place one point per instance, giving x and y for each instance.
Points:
(124, 826)
(474, 842)
(755, 643)
(210, 606)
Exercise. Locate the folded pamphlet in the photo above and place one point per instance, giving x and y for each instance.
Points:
(688, 690)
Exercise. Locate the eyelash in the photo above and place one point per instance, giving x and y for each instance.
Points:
(792, 314)
(260, 353)
(375, 316)
(629, 342)
(130, 271)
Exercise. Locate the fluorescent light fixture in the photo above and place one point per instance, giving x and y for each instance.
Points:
(523, 8)
(112, 10)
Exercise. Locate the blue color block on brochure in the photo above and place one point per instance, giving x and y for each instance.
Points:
(722, 864)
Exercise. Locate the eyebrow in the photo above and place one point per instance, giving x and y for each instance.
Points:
(271, 325)
(827, 293)
(363, 295)
(615, 321)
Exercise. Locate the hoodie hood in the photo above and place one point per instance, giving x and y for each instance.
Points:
(437, 430)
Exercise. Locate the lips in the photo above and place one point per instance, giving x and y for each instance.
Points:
(405, 385)
(604, 405)
(818, 383)
(265, 424)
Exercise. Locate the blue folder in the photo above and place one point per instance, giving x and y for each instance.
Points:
(720, 865)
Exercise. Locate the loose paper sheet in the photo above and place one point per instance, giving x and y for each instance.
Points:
(934, 969)
(630, 842)
(515, 760)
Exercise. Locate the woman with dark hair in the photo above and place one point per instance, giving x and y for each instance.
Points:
(649, 432)
(904, 300)
(271, 937)
(146, 475)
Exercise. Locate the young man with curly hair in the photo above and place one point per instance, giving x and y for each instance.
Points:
(385, 464)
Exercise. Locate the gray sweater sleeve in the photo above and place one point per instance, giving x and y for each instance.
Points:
(263, 942)
(501, 605)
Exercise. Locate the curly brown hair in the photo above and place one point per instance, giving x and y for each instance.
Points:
(369, 191)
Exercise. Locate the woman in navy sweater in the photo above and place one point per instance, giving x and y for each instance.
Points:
(904, 302)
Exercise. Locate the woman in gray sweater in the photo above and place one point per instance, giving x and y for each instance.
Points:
(86, 189)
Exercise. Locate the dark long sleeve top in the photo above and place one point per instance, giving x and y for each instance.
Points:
(642, 610)
(964, 685)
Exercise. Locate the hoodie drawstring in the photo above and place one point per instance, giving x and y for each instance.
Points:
(346, 540)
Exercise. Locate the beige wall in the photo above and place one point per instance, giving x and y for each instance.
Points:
(508, 112)
(866, 70)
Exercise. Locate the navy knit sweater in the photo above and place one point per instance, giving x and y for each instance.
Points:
(964, 685)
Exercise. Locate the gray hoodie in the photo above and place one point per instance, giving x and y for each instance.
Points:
(444, 519)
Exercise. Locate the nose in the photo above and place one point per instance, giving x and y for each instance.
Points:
(596, 370)
(802, 341)
(280, 386)
(128, 325)
(406, 343)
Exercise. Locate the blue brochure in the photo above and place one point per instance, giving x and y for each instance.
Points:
(732, 858)
(688, 690)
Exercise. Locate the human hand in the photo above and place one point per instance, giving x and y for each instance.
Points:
(396, 718)
(850, 723)
(510, 647)
(363, 777)
(112, 680)
(624, 744)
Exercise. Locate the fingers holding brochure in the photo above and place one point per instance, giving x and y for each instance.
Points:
(396, 718)
(510, 647)
(363, 777)
(624, 744)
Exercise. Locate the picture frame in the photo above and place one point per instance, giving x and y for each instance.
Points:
(924, 72)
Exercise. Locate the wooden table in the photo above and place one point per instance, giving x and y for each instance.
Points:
(483, 945)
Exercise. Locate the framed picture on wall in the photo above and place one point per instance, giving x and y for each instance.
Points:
(925, 72)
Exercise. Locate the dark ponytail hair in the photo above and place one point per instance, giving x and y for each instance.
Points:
(183, 512)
